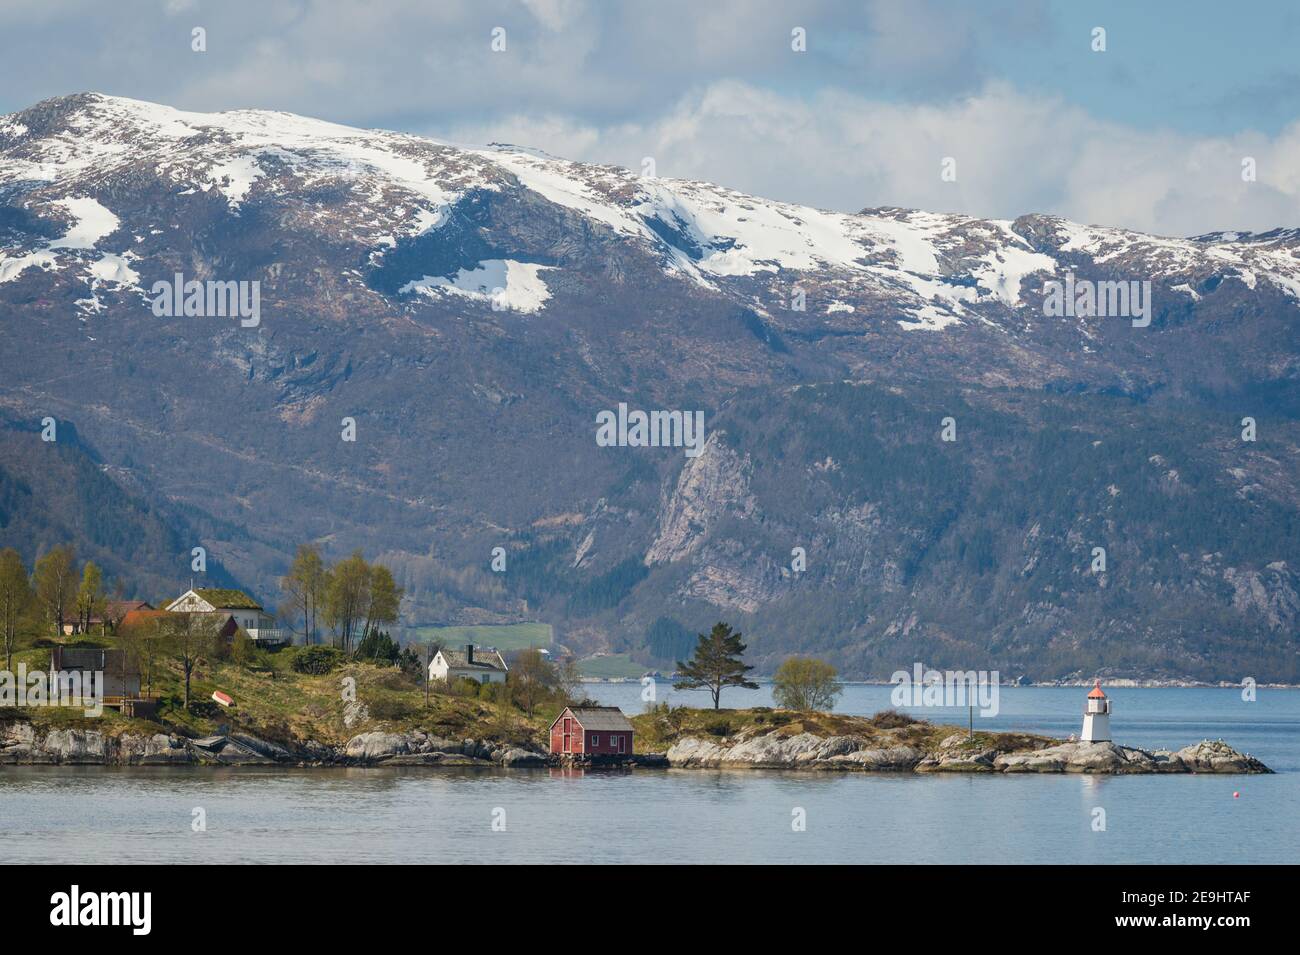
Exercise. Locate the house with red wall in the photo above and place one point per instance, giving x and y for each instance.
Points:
(591, 731)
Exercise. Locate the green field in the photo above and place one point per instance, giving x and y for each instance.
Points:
(514, 636)
(611, 666)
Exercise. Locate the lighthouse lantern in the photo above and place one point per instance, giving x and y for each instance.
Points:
(1096, 717)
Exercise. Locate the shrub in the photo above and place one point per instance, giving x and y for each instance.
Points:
(718, 726)
(891, 719)
(242, 650)
(317, 660)
(806, 684)
(391, 679)
(390, 708)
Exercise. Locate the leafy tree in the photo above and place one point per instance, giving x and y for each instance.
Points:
(385, 599)
(55, 581)
(532, 679)
(347, 601)
(90, 595)
(715, 664)
(144, 642)
(15, 597)
(304, 586)
(358, 597)
(805, 683)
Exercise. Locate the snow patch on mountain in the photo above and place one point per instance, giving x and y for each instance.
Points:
(501, 283)
(91, 222)
(116, 269)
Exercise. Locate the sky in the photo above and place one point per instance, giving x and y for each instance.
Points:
(1149, 133)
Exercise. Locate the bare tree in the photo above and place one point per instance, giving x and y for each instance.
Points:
(55, 581)
(191, 637)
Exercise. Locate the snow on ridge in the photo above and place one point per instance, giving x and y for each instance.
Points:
(237, 143)
(936, 266)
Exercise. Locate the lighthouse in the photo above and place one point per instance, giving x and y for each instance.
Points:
(1096, 717)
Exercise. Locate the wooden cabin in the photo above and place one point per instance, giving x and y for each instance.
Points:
(591, 731)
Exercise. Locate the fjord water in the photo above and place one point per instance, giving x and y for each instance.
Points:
(112, 815)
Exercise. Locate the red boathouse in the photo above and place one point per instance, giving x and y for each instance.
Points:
(591, 731)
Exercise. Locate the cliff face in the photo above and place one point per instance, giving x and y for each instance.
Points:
(474, 310)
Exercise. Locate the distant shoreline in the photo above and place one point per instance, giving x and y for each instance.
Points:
(1123, 683)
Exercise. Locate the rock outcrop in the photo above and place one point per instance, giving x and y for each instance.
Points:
(954, 755)
(421, 749)
(21, 743)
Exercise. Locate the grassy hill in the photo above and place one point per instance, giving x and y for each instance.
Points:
(274, 702)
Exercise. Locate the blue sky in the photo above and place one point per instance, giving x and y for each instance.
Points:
(1149, 134)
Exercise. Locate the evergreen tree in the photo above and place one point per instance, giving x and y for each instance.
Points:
(715, 664)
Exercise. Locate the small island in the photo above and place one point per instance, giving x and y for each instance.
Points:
(208, 681)
(458, 731)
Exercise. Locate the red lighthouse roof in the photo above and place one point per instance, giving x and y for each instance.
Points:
(1095, 693)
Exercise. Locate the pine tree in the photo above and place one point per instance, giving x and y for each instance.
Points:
(715, 664)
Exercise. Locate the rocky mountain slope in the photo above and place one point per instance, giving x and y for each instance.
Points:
(474, 309)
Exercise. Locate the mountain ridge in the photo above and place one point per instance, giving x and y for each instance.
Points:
(379, 255)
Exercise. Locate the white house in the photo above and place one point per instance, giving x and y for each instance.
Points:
(1096, 717)
(230, 604)
(481, 666)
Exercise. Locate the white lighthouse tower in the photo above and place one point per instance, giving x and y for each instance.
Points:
(1096, 717)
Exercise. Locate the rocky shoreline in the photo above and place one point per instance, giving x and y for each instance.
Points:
(956, 754)
(23, 744)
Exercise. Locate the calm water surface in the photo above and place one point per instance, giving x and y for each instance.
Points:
(110, 815)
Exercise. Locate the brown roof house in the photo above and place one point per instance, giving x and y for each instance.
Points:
(115, 611)
(591, 731)
(119, 674)
(481, 665)
(233, 604)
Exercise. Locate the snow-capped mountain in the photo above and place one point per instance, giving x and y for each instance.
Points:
(925, 270)
(472, 309)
